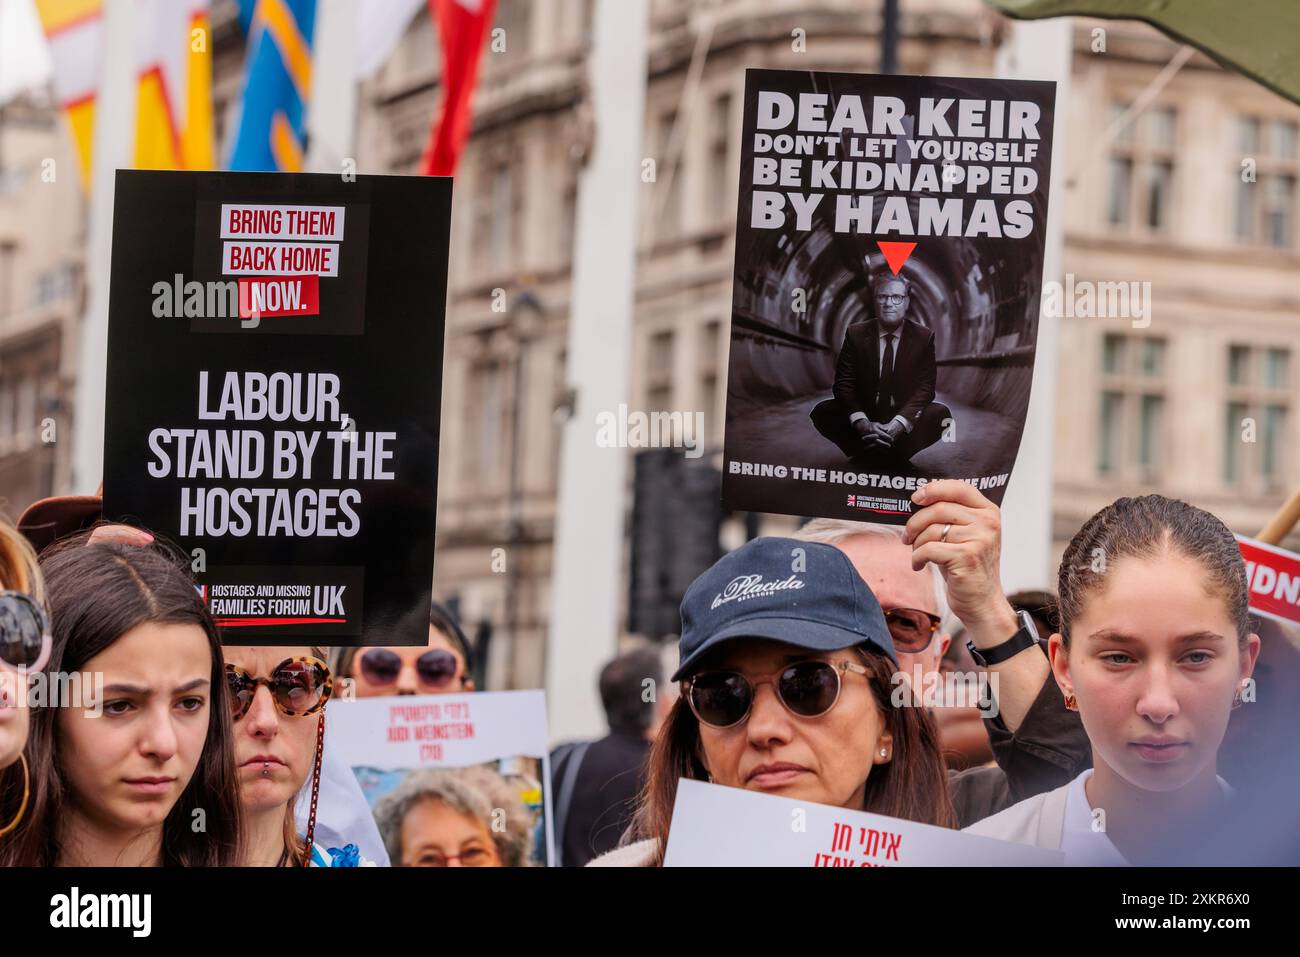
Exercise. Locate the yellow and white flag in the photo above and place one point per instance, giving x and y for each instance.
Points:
(173, 60)
(74, 29)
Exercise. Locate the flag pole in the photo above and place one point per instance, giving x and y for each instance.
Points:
(112, 148)
(586, 587)
(1280, 525)
(332, 113)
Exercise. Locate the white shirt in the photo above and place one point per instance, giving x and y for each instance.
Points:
(884, 338)
(1083, 845)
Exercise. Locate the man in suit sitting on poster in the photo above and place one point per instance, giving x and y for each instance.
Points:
(884, 411)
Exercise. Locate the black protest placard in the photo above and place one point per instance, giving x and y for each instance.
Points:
(274, 385)
(889, 257)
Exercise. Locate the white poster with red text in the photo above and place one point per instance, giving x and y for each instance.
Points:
(1273, 580)
(715, 826)
(489, 743)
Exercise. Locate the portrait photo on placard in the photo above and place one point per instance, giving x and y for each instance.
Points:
(889, 256)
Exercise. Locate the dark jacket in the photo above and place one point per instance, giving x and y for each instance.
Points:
(857, 372)
(608, 779)
(1049, 749)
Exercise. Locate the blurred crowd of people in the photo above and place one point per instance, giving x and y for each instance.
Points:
(1141, 694)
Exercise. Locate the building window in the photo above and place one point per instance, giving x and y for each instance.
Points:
(720, 186)
(710, 366)
(53, 285)
(1275, 368)
(1131, 417)
(1238, 365)
(406, 145)
(1266, 208)
(19, 419)
(29, 395)
(1141, 171)
(484, 424)
(496, 212)
(659, 372)
(668, 175)
(7, 391)
(1256, 413)
(8, 253)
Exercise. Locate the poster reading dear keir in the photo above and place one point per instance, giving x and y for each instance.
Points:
(274, 380)
(889, 256)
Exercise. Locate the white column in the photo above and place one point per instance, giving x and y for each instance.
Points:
(113, 148)
(588, 582)
(332, 113)
(1038, 50)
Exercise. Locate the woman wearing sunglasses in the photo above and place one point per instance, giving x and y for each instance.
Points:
(142, 773)
(1154, 651)
(443, 666)
(277, 701)
(24, 648)
(786, 679)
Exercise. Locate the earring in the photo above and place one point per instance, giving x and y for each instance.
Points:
(884, 753)
(1070, 703)
(27, 793)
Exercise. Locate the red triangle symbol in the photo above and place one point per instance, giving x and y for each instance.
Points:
(896, 254)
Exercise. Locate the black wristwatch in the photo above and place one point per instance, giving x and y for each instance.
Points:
(1026, 637)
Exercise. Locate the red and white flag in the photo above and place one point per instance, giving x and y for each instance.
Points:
(462, 26)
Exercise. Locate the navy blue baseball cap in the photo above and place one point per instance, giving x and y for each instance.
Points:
(802, 593)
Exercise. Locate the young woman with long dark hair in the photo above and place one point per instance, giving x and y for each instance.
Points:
(143, 774)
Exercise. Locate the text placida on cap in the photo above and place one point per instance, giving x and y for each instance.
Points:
(751, 586)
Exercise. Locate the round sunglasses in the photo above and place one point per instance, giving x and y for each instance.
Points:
(435, 667)
(298, 686)
(24, 632)
(911, 629)
(807, 689)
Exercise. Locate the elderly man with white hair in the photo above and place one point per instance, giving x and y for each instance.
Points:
(943, 565)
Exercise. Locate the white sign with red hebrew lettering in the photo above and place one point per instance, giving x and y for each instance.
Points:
(493, 740)
(716, 826)
(439, 730)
